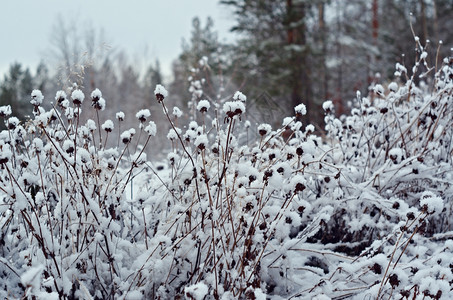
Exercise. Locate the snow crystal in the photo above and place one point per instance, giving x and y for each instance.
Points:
(203, 106)
(151, 128)
(239, 96)
(36, 97)
(431, 202)
(300, 109)
(142, 115)
(423, 55)
(196, 291)
(108, 126)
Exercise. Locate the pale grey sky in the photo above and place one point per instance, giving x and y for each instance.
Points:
(132, 26)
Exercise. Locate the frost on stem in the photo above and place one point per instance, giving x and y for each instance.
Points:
(160, 92)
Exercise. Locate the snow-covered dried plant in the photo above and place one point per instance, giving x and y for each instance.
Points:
(363, 212)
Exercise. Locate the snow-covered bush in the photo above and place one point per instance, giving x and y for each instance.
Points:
(364, 211)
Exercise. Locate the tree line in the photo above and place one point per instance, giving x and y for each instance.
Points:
(286, 52)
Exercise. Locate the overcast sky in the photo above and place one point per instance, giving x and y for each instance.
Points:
(129, 25)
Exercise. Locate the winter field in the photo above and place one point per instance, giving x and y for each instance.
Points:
(362, 211)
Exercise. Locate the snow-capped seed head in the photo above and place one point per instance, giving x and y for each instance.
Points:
(96, 95)
(201, 141)
(396, 155)
(126, 136)
(264, 129)
(151, 128)
(379, 89)
(287, 122)
(68, 146)
(309, 129)
(172, 134)
(37, 144)
(239, 96)
(36, 97)
(142, 115)
(233, 108)
(160, 92)
(77, 97)
(300, 110)
(328, 106)
(193, 125)
(431, 203)
(203, 106)
(177, 112)
(298, 183)
(5, 153)
(108, 126)
(120, 116)
(5, 111)
(13, 122)
(99, 104)
(60, 97)
(91, 125)
(393, 87)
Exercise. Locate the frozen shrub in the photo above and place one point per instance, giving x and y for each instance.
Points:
(364, 211)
